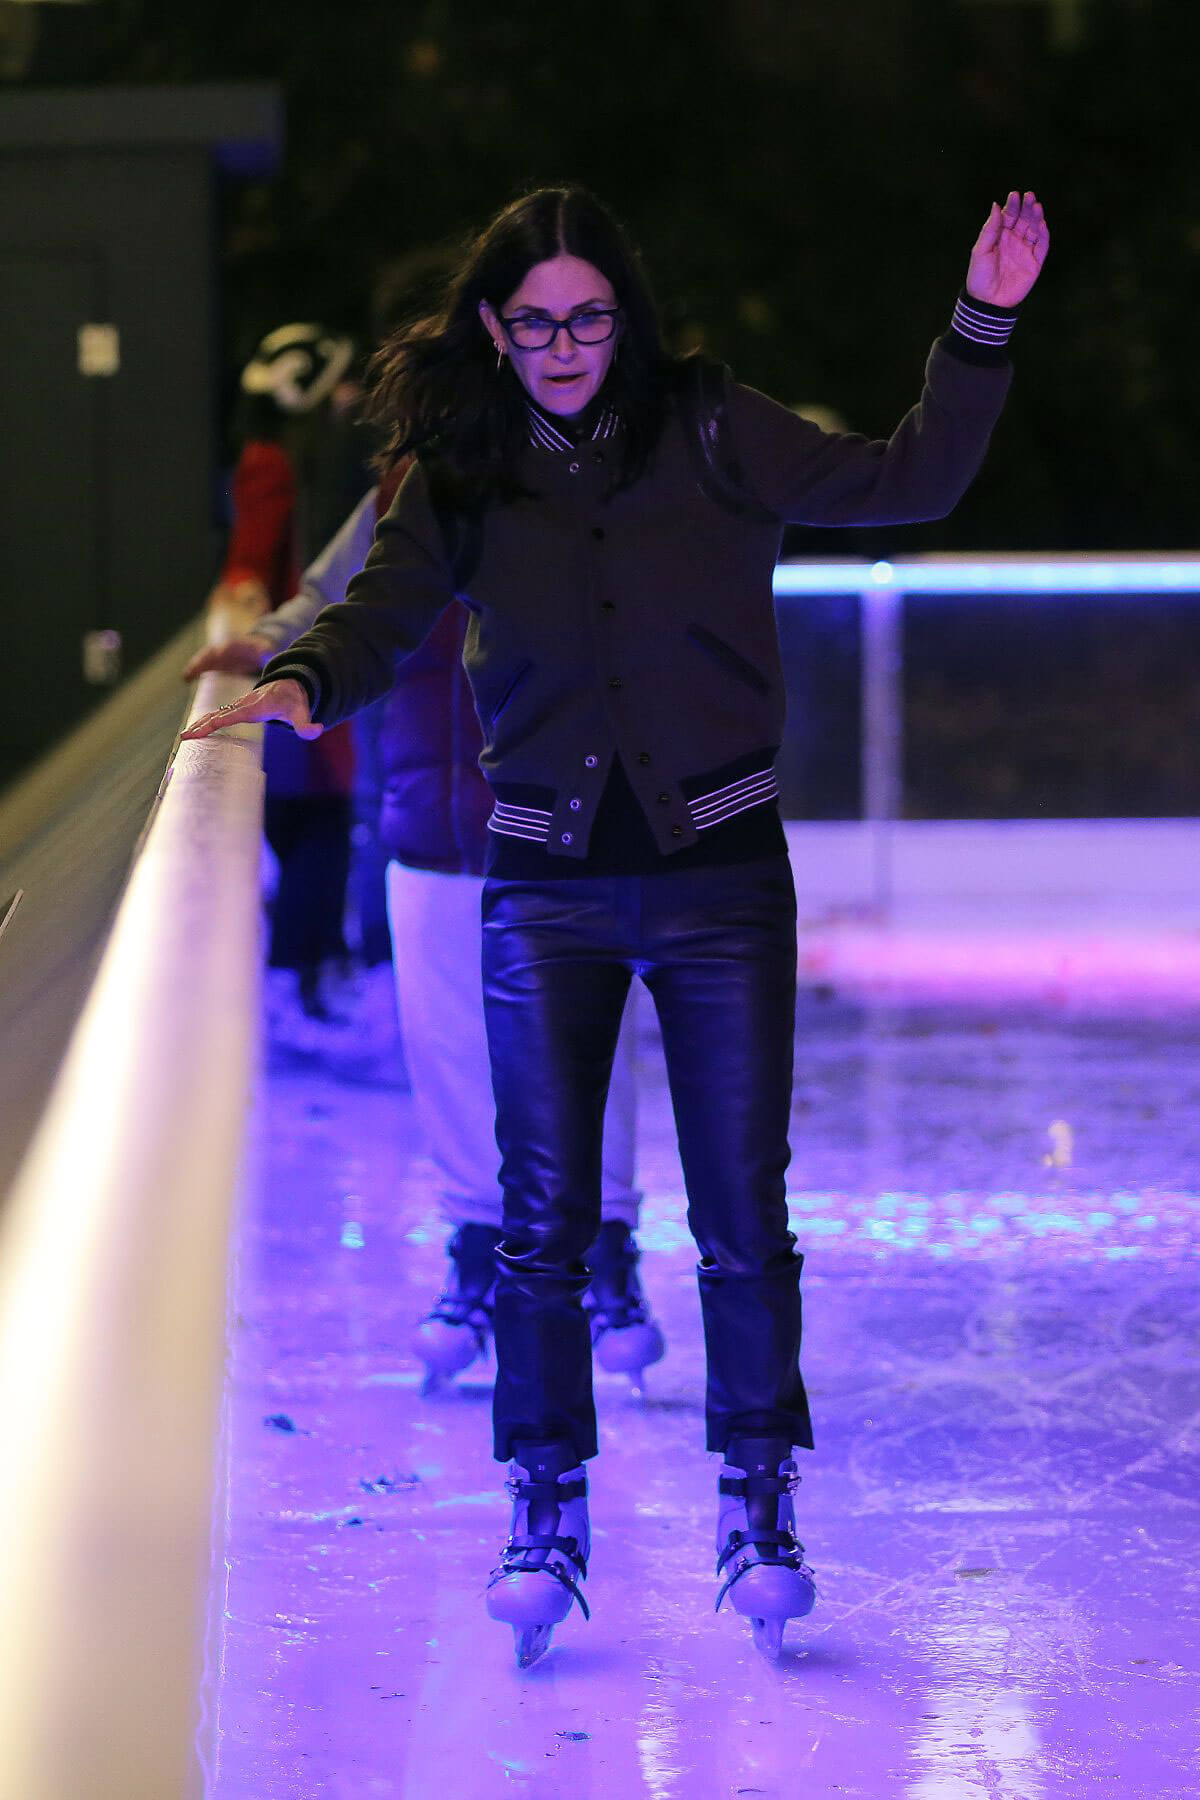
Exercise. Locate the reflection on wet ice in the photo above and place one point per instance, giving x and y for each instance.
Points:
(975, 1738)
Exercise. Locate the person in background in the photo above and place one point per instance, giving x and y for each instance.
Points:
(307, 811)
(433, 809)
(338, 461)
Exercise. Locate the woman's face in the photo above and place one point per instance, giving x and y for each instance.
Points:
(564, 376)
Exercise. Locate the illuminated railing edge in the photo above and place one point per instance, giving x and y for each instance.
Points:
(114, 1250)
(1072, 573)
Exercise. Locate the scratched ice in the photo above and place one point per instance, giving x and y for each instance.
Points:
(1000, 1213)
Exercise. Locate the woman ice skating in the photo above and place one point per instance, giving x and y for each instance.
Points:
(612, 516)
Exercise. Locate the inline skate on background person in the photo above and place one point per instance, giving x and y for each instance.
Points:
(434, 806)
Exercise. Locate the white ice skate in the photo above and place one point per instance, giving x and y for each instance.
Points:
(546, 1556)
(758, 1554)
(626, 1338)
(458, 1329)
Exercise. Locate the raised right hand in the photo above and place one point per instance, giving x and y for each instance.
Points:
(285, 700)
(1009, 252)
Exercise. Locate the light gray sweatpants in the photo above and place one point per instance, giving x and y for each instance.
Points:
(435, 929)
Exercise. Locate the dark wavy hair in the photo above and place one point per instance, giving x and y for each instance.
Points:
(436, 390)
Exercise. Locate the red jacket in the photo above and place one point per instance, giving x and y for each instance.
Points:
(262, 548)
(262, 535)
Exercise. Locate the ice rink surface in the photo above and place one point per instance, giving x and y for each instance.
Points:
(1000, 1208)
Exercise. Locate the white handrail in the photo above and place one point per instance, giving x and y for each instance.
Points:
(113, 1264)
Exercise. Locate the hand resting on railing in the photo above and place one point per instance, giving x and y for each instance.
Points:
(240, 656)
(285, 700)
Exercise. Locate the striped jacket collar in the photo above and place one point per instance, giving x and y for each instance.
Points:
(545, 434)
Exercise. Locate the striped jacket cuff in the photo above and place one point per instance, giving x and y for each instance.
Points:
(979, 332)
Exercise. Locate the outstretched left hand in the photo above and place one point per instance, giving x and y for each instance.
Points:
(1009, 252)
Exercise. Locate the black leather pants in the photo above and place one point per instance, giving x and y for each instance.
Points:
(717, 950)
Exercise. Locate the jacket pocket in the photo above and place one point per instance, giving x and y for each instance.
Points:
(729, 658)
(514, 682)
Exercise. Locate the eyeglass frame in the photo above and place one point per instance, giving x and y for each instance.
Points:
(612, 313)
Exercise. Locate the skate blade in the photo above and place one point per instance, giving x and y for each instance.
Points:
(768, 1637)
(531, 1642)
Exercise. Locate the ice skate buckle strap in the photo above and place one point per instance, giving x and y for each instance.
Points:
(556, 1491)
(518, 1547)
(740, 1540)
(753, 1487)
(756, 1540)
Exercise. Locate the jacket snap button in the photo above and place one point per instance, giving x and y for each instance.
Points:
(597, 456)
(566, 837)
(608, 606)
(575, 805)
(677, 831)
(615, 681)
(574, 468)
(597, 531)
(643, 757)
(590, 761)
(664, 799)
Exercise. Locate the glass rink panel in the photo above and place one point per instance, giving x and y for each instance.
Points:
(1001, 687)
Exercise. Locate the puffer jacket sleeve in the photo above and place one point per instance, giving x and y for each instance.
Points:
(812, 477)
(348, 657)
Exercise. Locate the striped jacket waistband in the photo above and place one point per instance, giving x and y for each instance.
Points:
(532, 822)
(756, 789)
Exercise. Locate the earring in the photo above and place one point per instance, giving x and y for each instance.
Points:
(499, 354)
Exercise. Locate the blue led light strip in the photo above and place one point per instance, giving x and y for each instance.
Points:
(1080, 575)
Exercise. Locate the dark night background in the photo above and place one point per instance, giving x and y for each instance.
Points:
(805, 181)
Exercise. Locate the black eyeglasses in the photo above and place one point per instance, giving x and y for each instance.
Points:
(537, 331)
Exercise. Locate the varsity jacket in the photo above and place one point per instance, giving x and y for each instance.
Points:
(638, 625)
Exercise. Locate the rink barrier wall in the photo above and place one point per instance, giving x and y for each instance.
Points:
(114, 1258)
(1083, 867)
